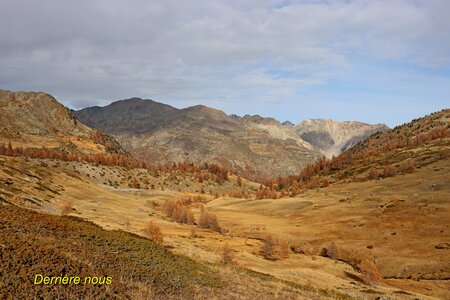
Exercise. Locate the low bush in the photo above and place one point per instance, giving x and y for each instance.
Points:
(178, 212)
(67, 208)
(390, 171)
(274, 248)
(227, 255)
(369, 272)
(209, 220)
(407, 167)
(330, 251)
(153, 232)
(373, 174)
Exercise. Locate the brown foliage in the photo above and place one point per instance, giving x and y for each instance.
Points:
(302, 247)
(209, 220)
(330, 251)
(373, 174)
(239, 194)
(227, 255)
(407, 167)
(153, 232)
(205, 172)
(239, 181)
(267, 193)
(273, 248)
(193, 233)
(369, 272)
(179, 212)
(390, 171)
(67, 208)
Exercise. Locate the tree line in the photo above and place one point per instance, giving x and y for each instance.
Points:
(214, 171)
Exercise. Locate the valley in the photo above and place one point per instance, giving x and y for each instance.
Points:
(370, 223)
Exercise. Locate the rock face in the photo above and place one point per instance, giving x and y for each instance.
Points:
(252, 145)
(331, 137)
(31, 119)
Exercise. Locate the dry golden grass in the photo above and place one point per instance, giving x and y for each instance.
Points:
(391, 215)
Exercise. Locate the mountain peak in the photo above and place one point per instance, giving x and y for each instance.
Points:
(251, 145)
(288, 124)
(333, 137)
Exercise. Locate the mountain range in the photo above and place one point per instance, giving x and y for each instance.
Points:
(253, 146)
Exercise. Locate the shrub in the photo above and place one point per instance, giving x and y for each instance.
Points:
(389, 171)
(209, 220)
(373, 174)
(444, 153)
(193, 233)
(227, 255)
(185, 216)
(274, 248)
(302, 247)
(67, 208)
(330, 251)
(407, 167)
(179, 212)
(369, 272)
(127, 224)
(153, 232)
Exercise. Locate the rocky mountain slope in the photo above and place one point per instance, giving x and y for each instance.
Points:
(30, 119)
(251, 145)
(331, 137)
(400, 150)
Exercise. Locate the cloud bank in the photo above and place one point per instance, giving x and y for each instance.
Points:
(220, 53)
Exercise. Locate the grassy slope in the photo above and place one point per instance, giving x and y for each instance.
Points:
(36, 243)
(398, 222)
(348, 214)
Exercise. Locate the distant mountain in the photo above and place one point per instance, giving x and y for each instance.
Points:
(288, 123)
(332, 137)
(401, 150)
(30, 119)
(252, 145)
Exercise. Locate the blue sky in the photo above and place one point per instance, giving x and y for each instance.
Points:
(372, 61)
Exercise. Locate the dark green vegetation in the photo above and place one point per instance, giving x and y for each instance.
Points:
(32, 243)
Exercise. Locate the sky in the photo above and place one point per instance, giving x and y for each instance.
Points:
(370, 61)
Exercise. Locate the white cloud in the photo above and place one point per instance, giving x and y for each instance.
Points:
(183, 50)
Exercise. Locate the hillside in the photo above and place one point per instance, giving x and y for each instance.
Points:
(253, 146)
(75, 189)
(136, 267)
(401, 150)
(333, 138)
(37, 120)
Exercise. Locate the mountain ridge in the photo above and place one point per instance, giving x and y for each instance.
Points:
(251, 145)
(37, 119)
